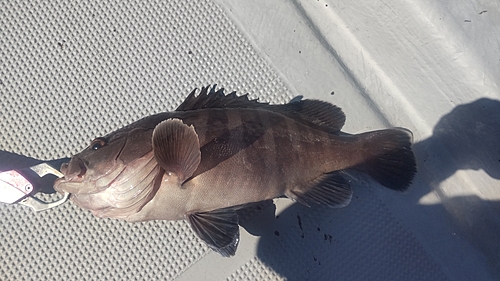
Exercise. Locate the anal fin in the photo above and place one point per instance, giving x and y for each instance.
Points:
(218, 228)
(330, 189)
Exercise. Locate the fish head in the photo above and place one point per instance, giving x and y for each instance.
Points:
(98, 166)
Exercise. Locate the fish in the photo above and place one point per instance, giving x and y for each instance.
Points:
(219, 153)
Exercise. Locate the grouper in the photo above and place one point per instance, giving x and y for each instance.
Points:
(217, 153)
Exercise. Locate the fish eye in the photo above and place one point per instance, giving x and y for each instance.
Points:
(98, 143)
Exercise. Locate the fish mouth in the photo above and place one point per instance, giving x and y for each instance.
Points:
(75, 170)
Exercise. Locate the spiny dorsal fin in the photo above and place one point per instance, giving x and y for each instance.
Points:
(217, 99)
(176, 148)
(317, 114)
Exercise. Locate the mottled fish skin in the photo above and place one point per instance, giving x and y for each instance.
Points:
(250, 152)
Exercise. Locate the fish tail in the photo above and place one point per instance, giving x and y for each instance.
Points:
(391, 161)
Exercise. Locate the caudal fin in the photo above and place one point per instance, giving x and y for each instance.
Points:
(391, 161)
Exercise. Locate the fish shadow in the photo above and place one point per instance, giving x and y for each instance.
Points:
(369, 240)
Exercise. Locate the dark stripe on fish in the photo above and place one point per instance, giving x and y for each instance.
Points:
(216, 119)
(290, 146)
(229, 142)
(258, 127)
(270, 143)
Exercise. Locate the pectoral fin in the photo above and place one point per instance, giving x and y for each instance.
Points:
(218, 228)
(176, 148)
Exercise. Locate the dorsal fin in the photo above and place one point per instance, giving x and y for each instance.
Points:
(217, 99)
(317, 114)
